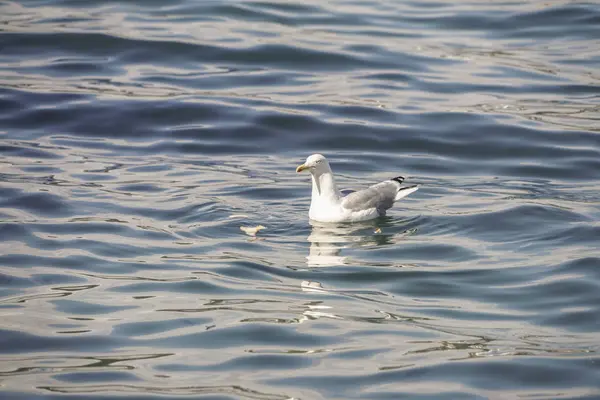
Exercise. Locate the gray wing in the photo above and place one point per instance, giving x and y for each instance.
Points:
(380, 196)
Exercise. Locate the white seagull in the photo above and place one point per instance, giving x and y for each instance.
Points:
(328, 204)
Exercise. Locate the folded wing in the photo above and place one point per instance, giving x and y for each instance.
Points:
(380, 196)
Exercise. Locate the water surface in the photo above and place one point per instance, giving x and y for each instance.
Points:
(138, 137)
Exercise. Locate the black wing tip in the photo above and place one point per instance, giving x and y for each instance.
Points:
(408, 187)
(398, 179)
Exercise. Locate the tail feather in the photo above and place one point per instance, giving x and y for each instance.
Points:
(405, 191)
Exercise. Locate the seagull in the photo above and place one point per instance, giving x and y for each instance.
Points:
(328, 204)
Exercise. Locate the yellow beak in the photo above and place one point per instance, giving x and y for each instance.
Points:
(301, 168)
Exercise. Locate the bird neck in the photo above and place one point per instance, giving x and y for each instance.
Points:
(324, 187)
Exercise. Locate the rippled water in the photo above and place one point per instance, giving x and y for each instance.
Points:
(138, 137)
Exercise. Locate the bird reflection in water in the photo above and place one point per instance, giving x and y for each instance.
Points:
(327, 241)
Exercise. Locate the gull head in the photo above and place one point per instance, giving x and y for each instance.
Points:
(316, 164)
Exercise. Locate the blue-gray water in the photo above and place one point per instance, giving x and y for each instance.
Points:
(137, 137)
